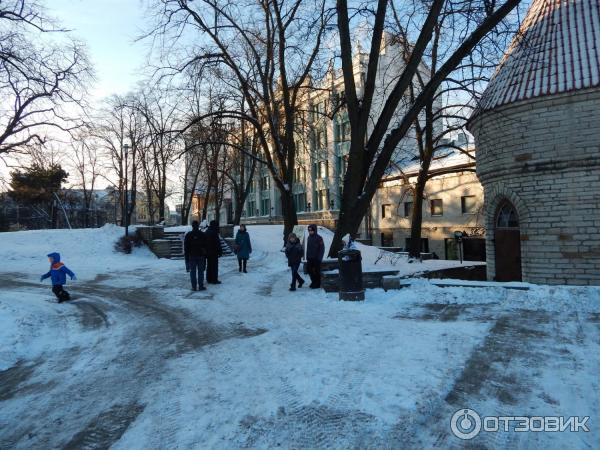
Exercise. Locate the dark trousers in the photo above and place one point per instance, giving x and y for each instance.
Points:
(242, 263)
(295, 275)
(197, 266)
(313, 267)
(212, 269)
(60, 293)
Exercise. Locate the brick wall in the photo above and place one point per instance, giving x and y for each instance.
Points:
(544, 156)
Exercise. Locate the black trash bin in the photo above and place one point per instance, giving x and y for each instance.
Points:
(351, 287)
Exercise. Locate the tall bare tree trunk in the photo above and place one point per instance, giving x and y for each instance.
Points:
(290, 217)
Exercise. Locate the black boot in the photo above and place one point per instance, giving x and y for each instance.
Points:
(244, 262)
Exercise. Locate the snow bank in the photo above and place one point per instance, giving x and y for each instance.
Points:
(87, 252)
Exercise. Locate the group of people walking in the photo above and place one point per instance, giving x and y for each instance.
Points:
(315, 250)
(203, 249)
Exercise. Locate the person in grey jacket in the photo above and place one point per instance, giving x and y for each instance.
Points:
(294, 252)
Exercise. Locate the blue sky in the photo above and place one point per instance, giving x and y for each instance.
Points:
(109, 28)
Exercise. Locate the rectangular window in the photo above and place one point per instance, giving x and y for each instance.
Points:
(321, 108)
(322, 139)
(408, 209)
(298, 175)
(387, 239)
(265, 183)
(468, 204)
(300, 202)
(323, 199)
(424, 244)
(265, 207)
(251, 209)
(386, 211)
(437, 207)
(346, 131)
(312, 113)
(323, 169)
(342, 162)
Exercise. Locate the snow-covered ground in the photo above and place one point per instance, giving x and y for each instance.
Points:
(138, 361)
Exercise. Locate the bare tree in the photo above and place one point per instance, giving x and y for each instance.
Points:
(372, 146)
(264, 50)
(120, 131)
(447, 112)
(86, 165)
(161, 119)
(243, 166)
(42, 79)
(192, 167)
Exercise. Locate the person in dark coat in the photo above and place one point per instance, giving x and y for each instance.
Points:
(243, 247)
(294, 252)
(213, 252)
(315, 250)
(194, 251)
(58, 274)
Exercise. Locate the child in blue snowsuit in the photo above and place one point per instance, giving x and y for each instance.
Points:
(58, 273)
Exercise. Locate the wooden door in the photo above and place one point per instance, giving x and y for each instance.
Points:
(507, 243)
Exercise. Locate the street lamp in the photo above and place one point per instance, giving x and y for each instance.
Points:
(126, 203)
(458, 237)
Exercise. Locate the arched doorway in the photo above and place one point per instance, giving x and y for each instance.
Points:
(507, 243)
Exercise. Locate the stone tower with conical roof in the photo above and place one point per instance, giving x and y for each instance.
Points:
(537, 133)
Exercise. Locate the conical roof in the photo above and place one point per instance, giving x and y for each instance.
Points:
(556, 50)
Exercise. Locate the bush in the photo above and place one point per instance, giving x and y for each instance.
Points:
(125, 244)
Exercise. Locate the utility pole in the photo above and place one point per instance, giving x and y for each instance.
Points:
(126, 203)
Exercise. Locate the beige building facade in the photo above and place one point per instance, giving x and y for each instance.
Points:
(453, 202)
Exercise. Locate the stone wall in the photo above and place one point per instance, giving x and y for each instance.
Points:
(327, 219)
(543, 155)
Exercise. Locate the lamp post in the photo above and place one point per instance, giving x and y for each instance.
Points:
(126, 203)
(458, 236)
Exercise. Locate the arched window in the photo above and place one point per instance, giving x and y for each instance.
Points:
(507, 216)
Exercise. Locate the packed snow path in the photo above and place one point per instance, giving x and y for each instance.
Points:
(138, 361)
(99, 385)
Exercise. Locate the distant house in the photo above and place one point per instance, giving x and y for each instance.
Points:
(142, 214)
(453, 202)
